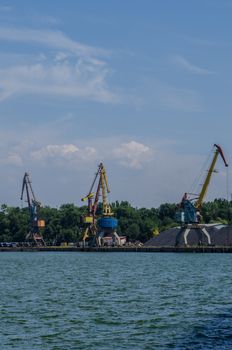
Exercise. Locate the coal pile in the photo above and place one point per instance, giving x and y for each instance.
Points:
(221, 235)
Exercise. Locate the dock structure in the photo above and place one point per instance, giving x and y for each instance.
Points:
(144, 249)
(219, 236)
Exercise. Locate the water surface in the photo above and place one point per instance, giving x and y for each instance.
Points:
(59, 301)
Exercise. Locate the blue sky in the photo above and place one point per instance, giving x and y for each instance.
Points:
(144, 86)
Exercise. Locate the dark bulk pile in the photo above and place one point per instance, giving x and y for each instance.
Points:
(221, 235)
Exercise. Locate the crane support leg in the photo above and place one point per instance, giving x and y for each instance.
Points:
(203, 229)
(186, 232)
(99, 239)
(117, 239)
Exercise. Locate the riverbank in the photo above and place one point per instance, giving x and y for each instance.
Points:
(196, 249)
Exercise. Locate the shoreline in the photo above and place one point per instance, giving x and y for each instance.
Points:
(197, 249)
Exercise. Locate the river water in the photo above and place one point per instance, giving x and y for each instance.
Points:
(59, 301)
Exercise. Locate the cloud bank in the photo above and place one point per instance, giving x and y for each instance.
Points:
(188, 66)
(132, 154)
(63, 68)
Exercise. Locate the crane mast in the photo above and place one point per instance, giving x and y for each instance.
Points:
(105, 189)
(34, 206)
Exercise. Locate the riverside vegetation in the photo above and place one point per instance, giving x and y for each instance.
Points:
(64, 224)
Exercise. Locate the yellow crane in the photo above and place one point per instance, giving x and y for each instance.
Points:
(106, 223)
(188, 213)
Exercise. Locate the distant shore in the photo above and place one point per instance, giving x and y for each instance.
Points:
(192, 249)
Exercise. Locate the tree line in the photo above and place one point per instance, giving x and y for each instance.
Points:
(64, 224)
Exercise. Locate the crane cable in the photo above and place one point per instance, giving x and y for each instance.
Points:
(199, 177)
(228, 202)
(227, 184)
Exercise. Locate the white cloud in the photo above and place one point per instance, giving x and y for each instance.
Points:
(13, 159)
(51, 39)
(165, 172)
(65, 151)
(132, 154)
(79, 79)
(61, 56)
(51, 151)
(184, 63)
(72, 69)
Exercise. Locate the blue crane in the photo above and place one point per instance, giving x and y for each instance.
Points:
(35, 223)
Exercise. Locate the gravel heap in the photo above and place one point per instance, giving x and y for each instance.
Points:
(221, 235)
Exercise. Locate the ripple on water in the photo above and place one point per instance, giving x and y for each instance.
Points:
(115, 301)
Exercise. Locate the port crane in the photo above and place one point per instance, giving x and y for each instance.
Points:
(96, 228)
(188, 214)
(36, 224)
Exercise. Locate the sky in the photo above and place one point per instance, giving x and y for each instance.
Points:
(143, 86)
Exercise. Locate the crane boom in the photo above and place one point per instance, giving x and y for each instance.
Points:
(91, 193)
(31, 199)
(26, 181)
(209, 175)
